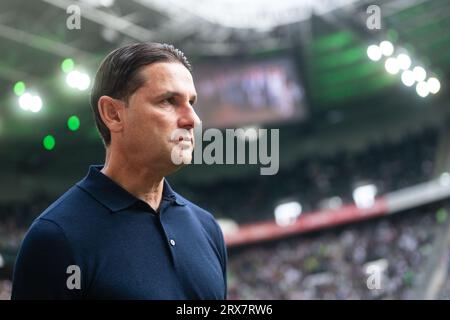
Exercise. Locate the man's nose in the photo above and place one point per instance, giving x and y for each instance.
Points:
(188, 118)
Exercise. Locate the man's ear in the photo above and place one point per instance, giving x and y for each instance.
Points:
(111, 112)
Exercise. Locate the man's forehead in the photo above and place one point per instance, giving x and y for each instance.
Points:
(168, 76)
(166, 71)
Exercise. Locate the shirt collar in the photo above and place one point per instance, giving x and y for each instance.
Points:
(113, 196)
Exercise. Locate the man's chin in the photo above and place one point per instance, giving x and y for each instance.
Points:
(181, 157)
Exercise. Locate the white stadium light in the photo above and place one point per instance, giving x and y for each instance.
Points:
(422, 89)
(404, 61)
(72, 79)
(78, 80)
(364, 196)
(433, 85)
(30, 102)
(85, 81)
(408, 78)
(392, 66)
(419, 74)
(36, 104)
(374, 52)
(387, 48)
(287, 213)
(25, 100)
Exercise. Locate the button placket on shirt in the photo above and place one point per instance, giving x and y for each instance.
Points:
(171, 240)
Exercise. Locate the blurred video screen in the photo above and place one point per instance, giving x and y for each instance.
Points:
(248, 93)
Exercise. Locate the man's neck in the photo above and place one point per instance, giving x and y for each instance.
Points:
(143, 183)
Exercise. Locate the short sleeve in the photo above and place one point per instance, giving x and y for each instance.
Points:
(42, 265)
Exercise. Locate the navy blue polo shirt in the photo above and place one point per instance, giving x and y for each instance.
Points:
(120, 248)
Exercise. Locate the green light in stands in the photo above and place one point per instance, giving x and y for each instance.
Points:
(73, 123)
(49, 142)
(67, 65)
(19, 88)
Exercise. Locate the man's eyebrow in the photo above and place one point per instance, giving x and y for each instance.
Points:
(170, 94)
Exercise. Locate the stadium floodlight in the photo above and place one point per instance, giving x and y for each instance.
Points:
(85, 81)
(392, 66)
(30, 102)
(72, 79)
(419, 74)
(36, 104)
(404, 61)
(433, 85)
(387, 48)
(364, 196)
(25, 100)
(78, 80)
(287, 213)
(374, 52)
(422, 89)
(408, 78)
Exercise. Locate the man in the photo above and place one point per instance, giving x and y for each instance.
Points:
(122, 232)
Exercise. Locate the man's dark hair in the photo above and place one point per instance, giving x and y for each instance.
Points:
(118, 75)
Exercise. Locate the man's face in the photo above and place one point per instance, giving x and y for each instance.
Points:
(155, 111)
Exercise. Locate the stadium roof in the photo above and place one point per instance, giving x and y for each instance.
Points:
(329, 43)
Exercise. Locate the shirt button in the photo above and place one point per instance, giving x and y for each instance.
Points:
(172, 242)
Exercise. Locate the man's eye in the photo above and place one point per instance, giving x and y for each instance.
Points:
(168, 101)
(192, 102)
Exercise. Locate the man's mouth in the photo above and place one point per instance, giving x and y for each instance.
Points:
(183, 140)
